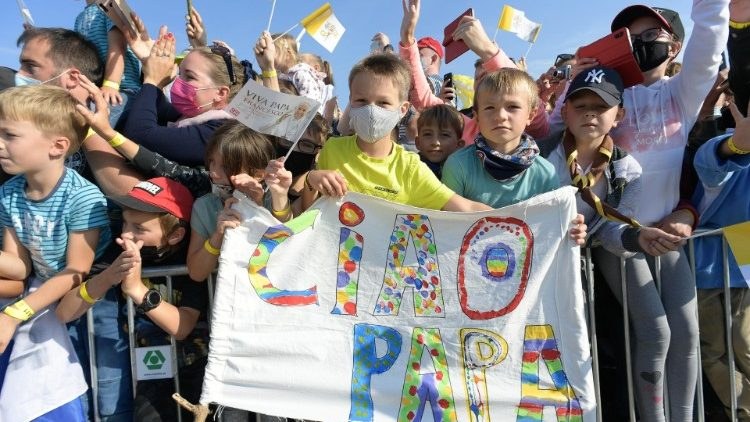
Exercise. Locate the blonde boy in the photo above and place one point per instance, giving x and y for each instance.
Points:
(370, 162)
(503, 166)
(54, 223)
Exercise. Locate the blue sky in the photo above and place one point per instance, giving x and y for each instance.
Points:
(566, 25)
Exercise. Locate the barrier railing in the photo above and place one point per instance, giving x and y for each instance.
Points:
(172, 271)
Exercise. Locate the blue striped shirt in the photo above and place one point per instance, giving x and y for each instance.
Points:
(94, 25)
(42, 226)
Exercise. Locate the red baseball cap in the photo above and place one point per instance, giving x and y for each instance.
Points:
(159, 194)
(432, 44)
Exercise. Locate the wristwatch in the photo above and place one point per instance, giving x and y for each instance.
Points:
(151, 300)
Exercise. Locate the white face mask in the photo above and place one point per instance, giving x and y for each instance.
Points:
(426, 62)
(373, 123)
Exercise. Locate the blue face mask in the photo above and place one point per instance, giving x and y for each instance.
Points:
(22, 80)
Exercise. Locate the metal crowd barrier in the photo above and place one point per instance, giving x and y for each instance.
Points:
(172, 271)
(167, 272)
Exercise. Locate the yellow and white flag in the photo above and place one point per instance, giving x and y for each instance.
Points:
(738, 237)
(514, 20)
(324, 27)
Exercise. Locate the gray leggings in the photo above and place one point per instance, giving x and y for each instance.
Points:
(665, 329)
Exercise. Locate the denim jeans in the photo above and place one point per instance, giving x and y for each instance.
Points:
(115, 395)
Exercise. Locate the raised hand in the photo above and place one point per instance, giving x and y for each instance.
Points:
(409, 21)
(741, 136)
(265, 51)
(140, 42)
(195, 30)
(159, 68)
(471, 32)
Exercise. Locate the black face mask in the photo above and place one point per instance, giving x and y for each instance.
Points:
(650, 54)
(298, 162)
(154, 255)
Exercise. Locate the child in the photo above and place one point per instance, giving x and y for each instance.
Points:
(502, 167)
(439, 130)
(723, 165)
(54, 223)
(122, 71)
(156, 214)
(609, 184)
(234, 149)
(370, 162)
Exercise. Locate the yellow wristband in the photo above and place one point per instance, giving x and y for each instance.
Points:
(283, 213)
(111, 84)
(732, 147)
(19, 310)
(210, 248)
(83, 291)
(116, 140)
(738, 25)
(268, 74)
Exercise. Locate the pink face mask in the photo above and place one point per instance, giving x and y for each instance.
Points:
(183, 96)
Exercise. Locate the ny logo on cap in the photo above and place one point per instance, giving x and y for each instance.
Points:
(149, 187)
(595, 76)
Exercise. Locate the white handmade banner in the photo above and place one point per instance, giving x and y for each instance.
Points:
(366, 310)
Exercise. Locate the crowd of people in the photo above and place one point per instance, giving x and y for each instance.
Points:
(117, 155)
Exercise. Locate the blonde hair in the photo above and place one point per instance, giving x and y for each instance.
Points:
(508, 80)
(51, 109)
(388, 66)
(220, 73)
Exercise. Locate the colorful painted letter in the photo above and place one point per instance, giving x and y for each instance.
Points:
(480, 349)
(424, 279)
(539, 341)
(495, 259)
(347, 276)
(435, 387)
(259, 264)
(367, 363)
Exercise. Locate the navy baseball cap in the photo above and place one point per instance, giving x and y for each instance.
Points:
(602, 81)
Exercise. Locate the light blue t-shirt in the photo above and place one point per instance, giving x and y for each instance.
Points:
(74, 205)
(464, 174)
(94, 25)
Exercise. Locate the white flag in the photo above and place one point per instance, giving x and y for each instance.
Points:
(324, 27)
(514, 20)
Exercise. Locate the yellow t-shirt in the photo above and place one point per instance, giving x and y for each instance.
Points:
(401, 177)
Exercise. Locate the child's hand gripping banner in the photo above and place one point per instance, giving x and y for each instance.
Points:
(361, 309)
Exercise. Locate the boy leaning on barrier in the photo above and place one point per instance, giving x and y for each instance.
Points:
(54, 225)
(156, 215)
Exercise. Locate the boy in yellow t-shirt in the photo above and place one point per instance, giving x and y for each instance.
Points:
(370, 162)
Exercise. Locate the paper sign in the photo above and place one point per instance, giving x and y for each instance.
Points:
(366, 310)
(153, 363)
(271, 112)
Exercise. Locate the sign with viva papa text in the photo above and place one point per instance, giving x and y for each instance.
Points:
(365, 310)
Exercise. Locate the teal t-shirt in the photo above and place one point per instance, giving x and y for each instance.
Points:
(464, 174)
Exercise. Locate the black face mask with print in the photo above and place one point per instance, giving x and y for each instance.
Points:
(298, 162)
(650, 54)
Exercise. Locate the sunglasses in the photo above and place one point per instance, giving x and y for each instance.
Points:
(562, 58)
(650, 35)
(227, 56)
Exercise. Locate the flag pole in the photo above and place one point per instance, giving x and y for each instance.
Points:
(270, 18)
(286, 32)
(527, 50)
(494, 37)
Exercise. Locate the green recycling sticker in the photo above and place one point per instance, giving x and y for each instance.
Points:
(153, 363)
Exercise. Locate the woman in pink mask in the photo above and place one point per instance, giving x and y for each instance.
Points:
(179, 128)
